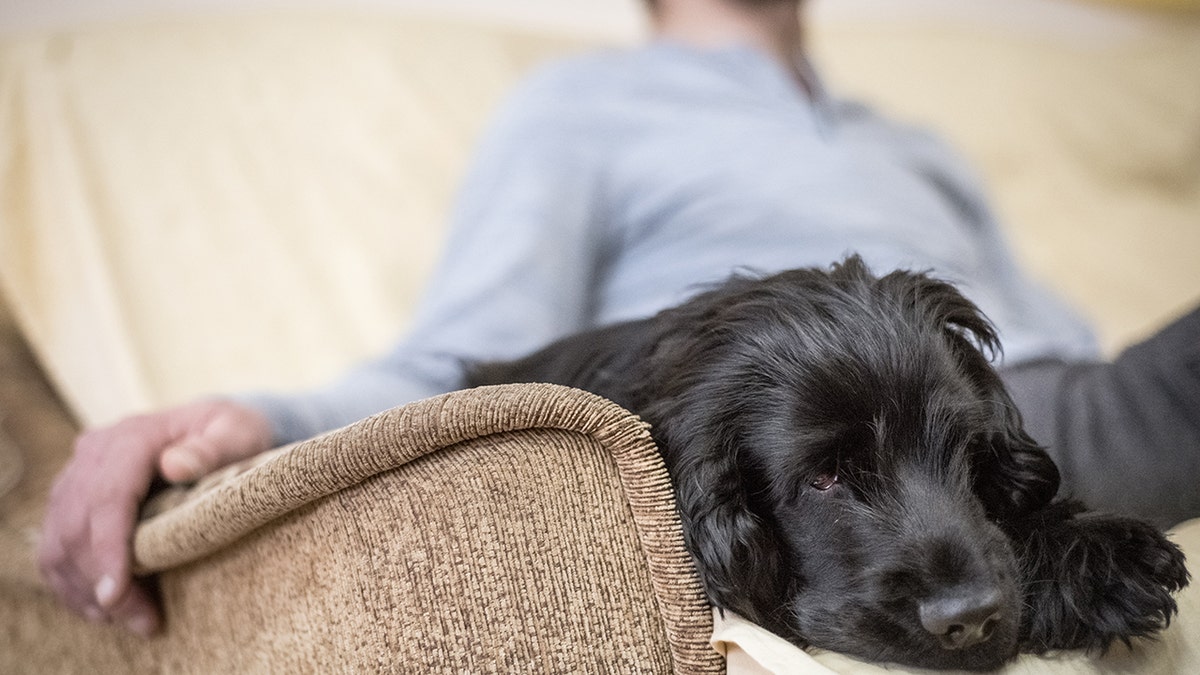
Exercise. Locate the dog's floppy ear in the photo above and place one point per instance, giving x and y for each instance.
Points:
(971, 333)
(735, 551)
(1014, 476)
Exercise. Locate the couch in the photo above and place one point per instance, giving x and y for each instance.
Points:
(214, 204)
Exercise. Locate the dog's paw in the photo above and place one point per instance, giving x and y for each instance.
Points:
(1094, 580)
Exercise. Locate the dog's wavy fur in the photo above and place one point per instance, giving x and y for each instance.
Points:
(850, 471)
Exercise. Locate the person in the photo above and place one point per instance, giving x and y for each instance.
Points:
(612, 185)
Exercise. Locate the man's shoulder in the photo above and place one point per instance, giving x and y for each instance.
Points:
(579, 96)
(583, 76)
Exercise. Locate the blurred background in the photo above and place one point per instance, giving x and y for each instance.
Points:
(603, 19)
(213, 195)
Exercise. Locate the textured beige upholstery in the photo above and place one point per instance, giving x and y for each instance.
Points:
(525, 528)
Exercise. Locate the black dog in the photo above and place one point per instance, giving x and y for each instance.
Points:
(852, 474)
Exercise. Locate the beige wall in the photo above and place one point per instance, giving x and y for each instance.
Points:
(613, 19)
(587, 17)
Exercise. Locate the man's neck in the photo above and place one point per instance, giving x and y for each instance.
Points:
(774, 27)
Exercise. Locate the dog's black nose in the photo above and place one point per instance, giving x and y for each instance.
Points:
(963, 618)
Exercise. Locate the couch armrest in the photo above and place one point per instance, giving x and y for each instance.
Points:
(524, 528)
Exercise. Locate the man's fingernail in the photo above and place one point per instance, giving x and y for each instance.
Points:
(106, 591)
(185, 463)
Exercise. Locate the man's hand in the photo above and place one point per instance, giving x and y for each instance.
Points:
(86, 545)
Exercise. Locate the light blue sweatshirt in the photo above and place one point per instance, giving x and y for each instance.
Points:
(615, 184)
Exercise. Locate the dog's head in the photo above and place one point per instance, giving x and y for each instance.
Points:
(843, 453)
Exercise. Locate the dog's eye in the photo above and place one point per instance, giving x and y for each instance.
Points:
(825, 481)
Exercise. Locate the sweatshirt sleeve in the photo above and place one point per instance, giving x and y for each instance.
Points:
(516, 272)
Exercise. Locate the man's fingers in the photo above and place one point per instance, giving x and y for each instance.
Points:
(185, 461)
(76, 597)
(86, 548)
(107, 557)
(129, 605)
(224, 434)
(60, 539)
(96, 584)
(136, 610)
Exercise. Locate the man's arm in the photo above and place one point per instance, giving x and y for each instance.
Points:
(517, 273)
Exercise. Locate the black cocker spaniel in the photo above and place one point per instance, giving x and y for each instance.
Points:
(852, 475)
